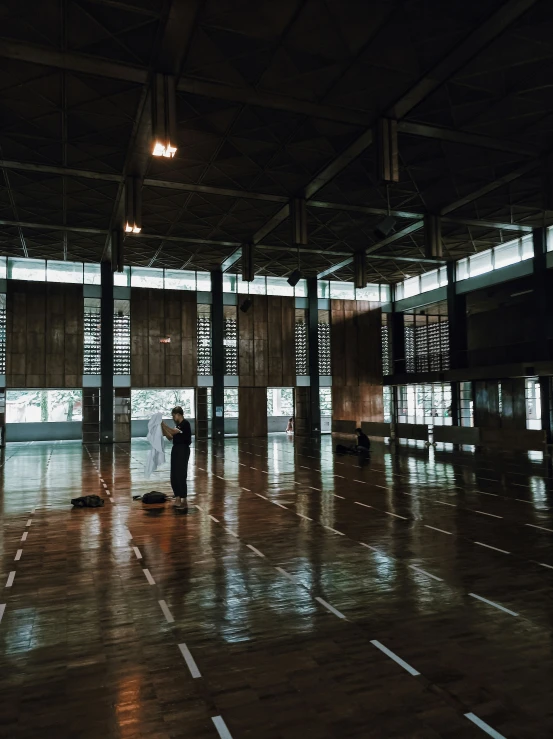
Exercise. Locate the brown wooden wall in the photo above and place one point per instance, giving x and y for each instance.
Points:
(356, 349)
(158, 314)
(252, 414)
(266, 345)
(44, 335)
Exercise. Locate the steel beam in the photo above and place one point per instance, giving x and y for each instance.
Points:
(335, 268)
(227, 263)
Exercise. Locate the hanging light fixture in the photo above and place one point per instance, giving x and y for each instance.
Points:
(133, 205)
(163, 116)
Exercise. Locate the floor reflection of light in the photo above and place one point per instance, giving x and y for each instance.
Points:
(538, 490)
(535, 456)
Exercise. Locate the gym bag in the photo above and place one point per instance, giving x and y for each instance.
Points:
(153, 497)
(88, 501)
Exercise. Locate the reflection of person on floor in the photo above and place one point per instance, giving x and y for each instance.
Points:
(363, 446)
(290, 427)
(181, 436)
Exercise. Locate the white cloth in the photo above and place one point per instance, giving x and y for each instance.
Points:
(156, 455)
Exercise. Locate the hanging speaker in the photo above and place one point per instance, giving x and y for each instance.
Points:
(385, 227)
(294, 278)
(246, 305)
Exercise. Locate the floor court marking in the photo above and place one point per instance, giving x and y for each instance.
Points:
(302, 516)
(492, 515)
(334, 531)
(495, 605)
(442, 531)
(2, 609)
(330, 608)
(166, 612)
(261, 496)
(137, 552)
(484, 726)
(24, 537)
(149, 577)
(280, 505)
(550, 567)
(424, 572)
(189, 659)
(489, 546)
(363, 504)
(221, 727)
(534, 526)
(286, 574)
(395, 515)
(441, 502)
(338, 496)
(391, 655)
(232, 533)
(374, 549)
(18, 555)
(213, 518)
(255, 551)
(29, 522)
(11, 578)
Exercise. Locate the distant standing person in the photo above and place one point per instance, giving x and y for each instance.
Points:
(181, 436)
(290, 427)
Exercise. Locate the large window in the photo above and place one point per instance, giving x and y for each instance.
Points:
(2, 334)
(425, 404)
(386, 348)
(280, 401)
(387, 401)
(121, 337)
(421, 283)
(466, 404)
(499, 256)
(301, 338)
(204, 339)
(347, 291)
(43, 406)
(426, 342)
(230, 339)
(92, 336)
(533, 403)
(323, 328)
(230, 402)
(146, 401)
(325, 400)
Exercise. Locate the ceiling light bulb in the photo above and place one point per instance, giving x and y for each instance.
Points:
(158, 149)
(128, 227)
(136, 230)
(164, 150)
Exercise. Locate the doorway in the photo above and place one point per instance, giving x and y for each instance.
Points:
(280, 408)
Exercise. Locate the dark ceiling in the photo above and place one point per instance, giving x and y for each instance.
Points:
(276, 99)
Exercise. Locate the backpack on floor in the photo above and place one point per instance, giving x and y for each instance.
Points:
(88, 501)
(153, 497)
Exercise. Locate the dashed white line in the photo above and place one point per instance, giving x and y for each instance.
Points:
(396, 515)
(24, 537)
(199, 507)
(319, 489)
(550, 567)
(232, 533)
(341, 476)
(484, 726)
(137, 552)
(255, 551)
(534, 526)
(166, 612)
(286, 574)
(280, 505)
(424, 572)
(338, 496)
(149, 577)
(334, 531)
(11, 578)
(302, 516)
(110, 500)
(441, 502)
(2, 609)
(247, 490)
(363, 482)
(492, 515)
(491, 603)
(363, 504)
(221, 727)
(261, 496)
(481, 492)
(330, 608)
(18, 555)
(189, 659)
(213, 518)
(29, 522)
(219, 476)
(442, 531)
(374, 549)
(488, 546)
(391, 655)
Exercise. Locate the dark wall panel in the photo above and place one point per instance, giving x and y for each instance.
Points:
(44, 335)
(252, 411)
(155, 315)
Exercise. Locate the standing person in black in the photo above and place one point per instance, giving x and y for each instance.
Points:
(181, 436)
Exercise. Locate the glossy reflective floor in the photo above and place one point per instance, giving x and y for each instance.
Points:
(303, 595)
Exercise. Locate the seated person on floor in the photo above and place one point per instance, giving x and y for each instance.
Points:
(363, 445)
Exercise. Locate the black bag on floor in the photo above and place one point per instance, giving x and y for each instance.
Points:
(153, 497)
(88, 501)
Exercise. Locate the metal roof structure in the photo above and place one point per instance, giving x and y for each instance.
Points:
(275, 100)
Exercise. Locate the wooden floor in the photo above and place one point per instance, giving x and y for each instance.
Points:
(306, 596)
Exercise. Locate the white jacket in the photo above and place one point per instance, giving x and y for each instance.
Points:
(156, 455)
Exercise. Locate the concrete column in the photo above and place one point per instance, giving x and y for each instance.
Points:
(217, 356)
(106, 362)
(313, 344)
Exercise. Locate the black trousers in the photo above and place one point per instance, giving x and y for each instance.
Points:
(180, 454)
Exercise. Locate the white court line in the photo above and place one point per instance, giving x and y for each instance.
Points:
(495, 605)
(18, 555)
(265, 472)
(149, 577)
(24, 537)
(189, 659)
(137, 552)
(363, 504)
(166, 612)
(29, 522)
(232, 533)
(396, 515)
(247, 490)
(424, 572)
(286, 574)
(334, 531)
(213, 518)
(380, 486)
(129, 534)
(374, 549)
(410, 670)
(253, 468)
(199, 507)
(343, 478)
(261, 496)
(361, 481)
(441, 502)
(533, 525)
(481, 492)
(488, 514)
(484, 726)
(255, 551)
(488, 546)
(280, 505)
(219, 476)
(110, 500)
(330, 608)
(442, 531)
(520, 500)
(11, 578)
(302, 516)
(2, 609)
(544, 565)
(319, 489)
(221, 727)
(338, 496)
